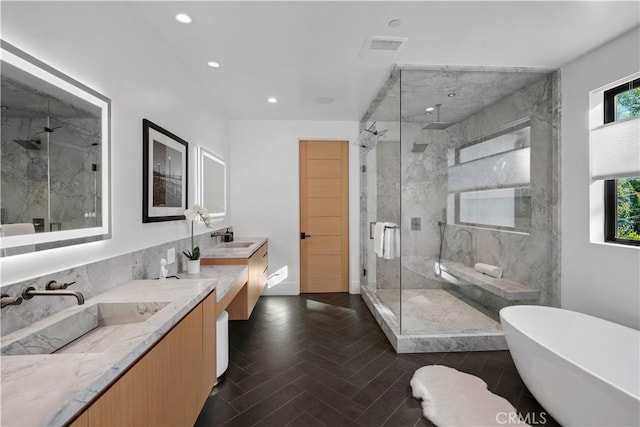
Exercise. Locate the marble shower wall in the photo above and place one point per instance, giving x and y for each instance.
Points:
(527, 258)
(23, 172)
(421, 190)
(64, 161)
(424, 196)
(93, 279)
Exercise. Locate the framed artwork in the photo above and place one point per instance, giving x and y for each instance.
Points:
(164, 174)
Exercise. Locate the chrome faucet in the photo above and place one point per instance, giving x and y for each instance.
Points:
(31, 292)
(6, 300)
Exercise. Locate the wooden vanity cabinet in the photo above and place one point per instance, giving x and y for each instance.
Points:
(242, 305)
(169, 384)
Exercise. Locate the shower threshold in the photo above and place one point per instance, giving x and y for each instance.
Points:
(456, 327)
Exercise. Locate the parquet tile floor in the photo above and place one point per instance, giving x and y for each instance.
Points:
(322, 360)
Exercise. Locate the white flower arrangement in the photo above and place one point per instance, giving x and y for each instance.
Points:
(193, 214)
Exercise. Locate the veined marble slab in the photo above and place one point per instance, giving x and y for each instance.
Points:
(220, 251)
(435, 312)
(49, 389)
(432, 332)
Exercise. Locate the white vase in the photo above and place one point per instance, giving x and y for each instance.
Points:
(193, 266)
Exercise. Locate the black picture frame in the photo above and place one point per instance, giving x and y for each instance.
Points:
(165, 180)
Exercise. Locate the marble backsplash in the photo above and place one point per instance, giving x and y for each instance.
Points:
(93, 279)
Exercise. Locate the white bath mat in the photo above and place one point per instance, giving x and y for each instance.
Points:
(453, 398)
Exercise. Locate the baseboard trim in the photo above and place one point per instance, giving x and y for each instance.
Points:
(354, 288)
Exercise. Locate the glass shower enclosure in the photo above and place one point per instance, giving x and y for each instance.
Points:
(459, 212)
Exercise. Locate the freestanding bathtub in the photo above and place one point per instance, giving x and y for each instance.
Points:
(583, 370)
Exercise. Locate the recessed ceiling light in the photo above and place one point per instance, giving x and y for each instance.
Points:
(183, 18)
(395, 23)
(272, 100)
(213, 64)
(324, 100)
(429, 109)
(451, 95)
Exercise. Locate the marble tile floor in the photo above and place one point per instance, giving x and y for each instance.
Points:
(435, 311)
(433, 341)
(322, 360)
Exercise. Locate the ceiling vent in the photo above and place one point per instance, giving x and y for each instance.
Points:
(382, 47)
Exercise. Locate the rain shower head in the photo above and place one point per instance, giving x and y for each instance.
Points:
(419, 148)
(29, 144)
(437, 125)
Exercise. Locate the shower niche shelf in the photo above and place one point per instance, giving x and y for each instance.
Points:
(461, 275)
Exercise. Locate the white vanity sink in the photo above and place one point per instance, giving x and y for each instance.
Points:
(92, 329)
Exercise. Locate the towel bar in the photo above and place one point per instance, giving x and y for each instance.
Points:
(372, 223)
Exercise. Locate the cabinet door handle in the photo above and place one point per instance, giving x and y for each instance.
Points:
(304, 235)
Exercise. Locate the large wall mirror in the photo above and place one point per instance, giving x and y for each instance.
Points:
(212, 183)
(54, 176)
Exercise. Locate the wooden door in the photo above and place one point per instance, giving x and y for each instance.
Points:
(324, 216)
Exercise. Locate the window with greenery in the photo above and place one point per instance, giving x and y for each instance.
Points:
(622, 196)
(622, 210)
(622, 102)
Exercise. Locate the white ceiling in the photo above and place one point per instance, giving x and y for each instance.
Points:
(299, 51)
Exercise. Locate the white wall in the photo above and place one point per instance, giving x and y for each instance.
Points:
(598, 279)
(92, 43)
(266, 190)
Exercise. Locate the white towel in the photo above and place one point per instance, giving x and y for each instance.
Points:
(7, 230)
(378, 238)
(391, 247)
(488, 269)
(17, 229)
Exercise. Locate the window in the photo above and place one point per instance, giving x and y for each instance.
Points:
(622, 102)
(489, 179)
(622, 210)
(622, 195)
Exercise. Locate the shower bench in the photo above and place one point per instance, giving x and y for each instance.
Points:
(461, 275)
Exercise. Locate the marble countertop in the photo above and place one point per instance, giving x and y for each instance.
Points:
(49, 389)
(227, 250)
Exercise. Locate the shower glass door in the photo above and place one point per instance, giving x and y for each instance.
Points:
(380, 204)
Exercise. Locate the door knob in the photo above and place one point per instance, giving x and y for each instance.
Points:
(304, 235)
